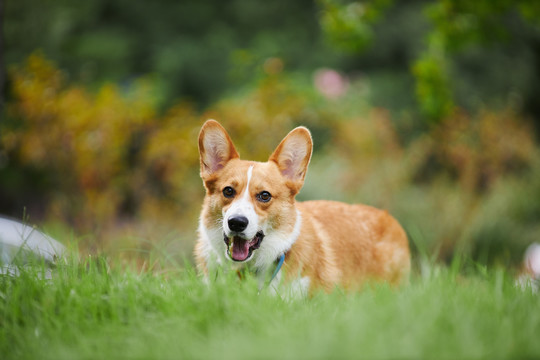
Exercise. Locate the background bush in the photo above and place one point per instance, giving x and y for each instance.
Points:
(425, 108)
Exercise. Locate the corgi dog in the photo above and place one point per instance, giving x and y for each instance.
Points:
(250, 218)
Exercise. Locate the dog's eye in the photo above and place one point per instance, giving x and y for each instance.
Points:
(264, 196)
(229, 192)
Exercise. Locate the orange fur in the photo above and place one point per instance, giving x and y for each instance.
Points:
(337, 243)
(347, 245)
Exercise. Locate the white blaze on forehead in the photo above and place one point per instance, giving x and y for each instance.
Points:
(243, 207)
(246, 192)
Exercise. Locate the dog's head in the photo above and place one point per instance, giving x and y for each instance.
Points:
(249, 210)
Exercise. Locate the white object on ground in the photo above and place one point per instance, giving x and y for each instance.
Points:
(19, 241)
(531, 276)
(532, 260)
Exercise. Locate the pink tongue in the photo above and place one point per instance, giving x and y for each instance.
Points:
(240, 249)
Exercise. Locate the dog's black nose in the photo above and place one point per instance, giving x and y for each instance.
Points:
(238, 223)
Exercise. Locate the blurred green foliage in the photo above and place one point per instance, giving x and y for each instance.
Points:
(349, 26)
(194, 49)
(419, 57)
(461, 34)
(108, 159)
(425, 108)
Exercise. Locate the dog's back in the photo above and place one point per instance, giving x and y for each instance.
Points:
(347, 245)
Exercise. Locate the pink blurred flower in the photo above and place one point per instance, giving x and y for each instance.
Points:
(330, 83)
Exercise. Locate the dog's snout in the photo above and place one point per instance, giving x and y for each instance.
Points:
(238, 223)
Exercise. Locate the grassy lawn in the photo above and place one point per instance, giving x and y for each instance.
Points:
(88, 311)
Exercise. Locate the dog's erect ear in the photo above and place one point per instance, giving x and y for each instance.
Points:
(292, 156)
(215, 148)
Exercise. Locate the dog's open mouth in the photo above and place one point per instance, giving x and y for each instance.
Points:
(240, 249)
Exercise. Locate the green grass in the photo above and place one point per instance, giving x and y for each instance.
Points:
(88, 311)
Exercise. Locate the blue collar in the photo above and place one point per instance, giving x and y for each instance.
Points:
(278, 267)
